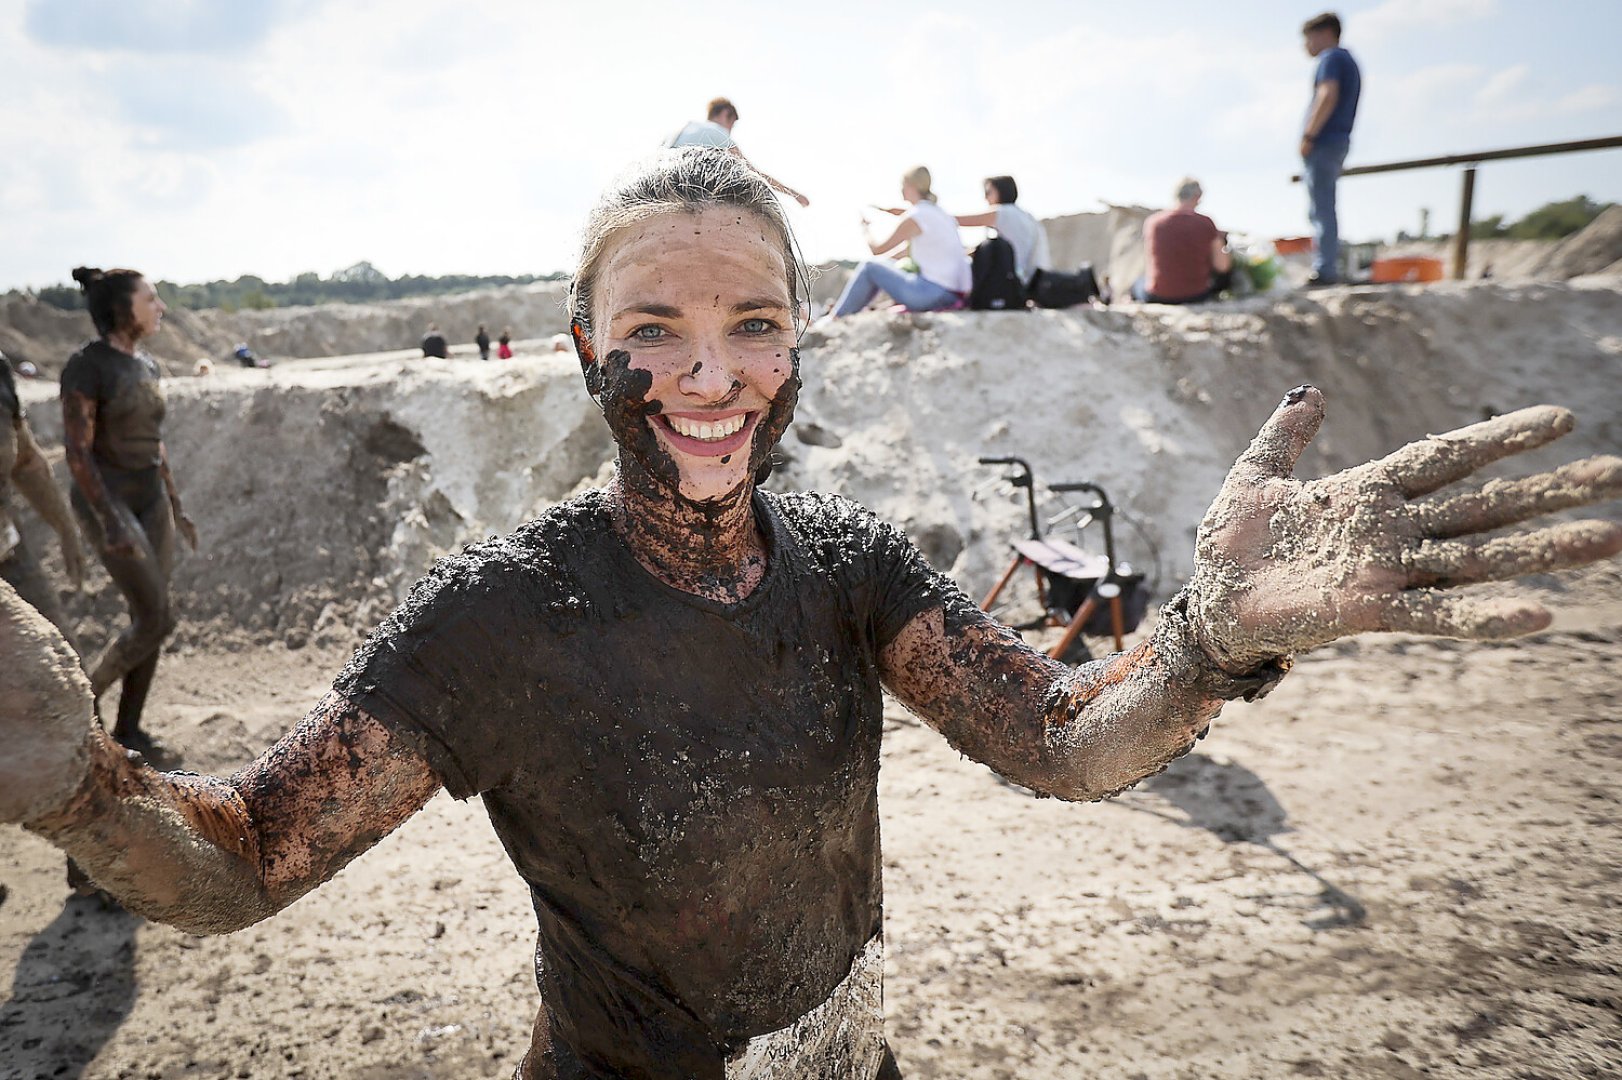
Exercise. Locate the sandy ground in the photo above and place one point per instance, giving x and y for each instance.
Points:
(1404, 863)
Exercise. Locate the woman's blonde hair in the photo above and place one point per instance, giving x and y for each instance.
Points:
(918, 176)
(690, 180)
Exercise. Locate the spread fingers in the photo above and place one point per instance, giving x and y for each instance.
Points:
(1507, 502)
(1426, 611)
(1460, 562)
(1421, 467)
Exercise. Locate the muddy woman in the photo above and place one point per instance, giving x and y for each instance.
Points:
(123, 493)
(667, 692)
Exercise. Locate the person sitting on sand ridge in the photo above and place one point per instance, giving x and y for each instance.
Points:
(1187, 254)
(930, 237)
(1024, 233)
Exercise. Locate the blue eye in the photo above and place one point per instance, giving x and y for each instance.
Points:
(648, 333)
(757, 326)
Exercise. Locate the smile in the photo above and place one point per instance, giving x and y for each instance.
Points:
(709, 432)
(706, 436)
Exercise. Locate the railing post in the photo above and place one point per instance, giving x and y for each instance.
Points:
(1461, 239)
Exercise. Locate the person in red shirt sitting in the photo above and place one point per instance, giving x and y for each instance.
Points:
(1186, 253)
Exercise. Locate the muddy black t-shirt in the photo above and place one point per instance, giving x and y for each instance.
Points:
(689, 788)
(129, 404)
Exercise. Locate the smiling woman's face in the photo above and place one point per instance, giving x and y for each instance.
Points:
(694, 353)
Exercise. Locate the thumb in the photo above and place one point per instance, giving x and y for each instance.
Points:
(1272, 454)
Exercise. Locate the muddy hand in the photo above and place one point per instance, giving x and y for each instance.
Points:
(188, 531)
(73, 561)
(1282, 565)
(45, 714)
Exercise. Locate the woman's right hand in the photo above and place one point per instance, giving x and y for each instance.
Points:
(46, 713)
(117, 539)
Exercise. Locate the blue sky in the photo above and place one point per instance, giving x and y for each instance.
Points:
(197, 140)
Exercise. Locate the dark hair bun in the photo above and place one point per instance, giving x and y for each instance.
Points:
(84, 275)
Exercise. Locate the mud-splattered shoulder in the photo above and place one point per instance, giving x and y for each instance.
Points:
(872, 559)
(836, 531)
(536, 565)
(84, 370)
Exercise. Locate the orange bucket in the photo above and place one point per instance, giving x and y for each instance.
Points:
(1419, 268)
(1293, 245)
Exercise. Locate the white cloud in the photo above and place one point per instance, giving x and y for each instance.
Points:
(1398, 17)
(1503, 85)
(1589, 98)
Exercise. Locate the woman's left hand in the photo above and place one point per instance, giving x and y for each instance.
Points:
(1282, 565)
(188, 531)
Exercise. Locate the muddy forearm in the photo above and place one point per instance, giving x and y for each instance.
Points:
(1077, 734)
(78, 437)
(32, 476)
(175, 847)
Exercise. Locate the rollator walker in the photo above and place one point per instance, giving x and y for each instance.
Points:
(1075, 589)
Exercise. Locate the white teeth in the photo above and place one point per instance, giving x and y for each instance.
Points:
(694, 429)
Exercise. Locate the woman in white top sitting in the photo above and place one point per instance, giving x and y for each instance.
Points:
(931, 237)
(1014, 224)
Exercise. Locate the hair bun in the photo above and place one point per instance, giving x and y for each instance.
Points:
(84, 275)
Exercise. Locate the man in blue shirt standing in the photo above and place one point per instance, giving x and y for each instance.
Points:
(1327, 136)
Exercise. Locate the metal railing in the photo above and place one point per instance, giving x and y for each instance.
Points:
(1461, 239)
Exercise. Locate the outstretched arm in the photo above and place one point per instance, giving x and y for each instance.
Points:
(777, 185)
(1082, 733)
(1281, 566)
(32, 475)
(205, 854)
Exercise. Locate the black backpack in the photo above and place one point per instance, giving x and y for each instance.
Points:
(996, 280)
(1056, 289)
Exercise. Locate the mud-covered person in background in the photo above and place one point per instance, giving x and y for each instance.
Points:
(505, 344)
(667, 691)
(482, 340)
(23, 469)
(123, 493)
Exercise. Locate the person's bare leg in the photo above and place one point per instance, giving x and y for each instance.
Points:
(157, 521)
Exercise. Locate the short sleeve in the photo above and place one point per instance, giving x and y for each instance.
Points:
(887, 578)
(81, 376)
(1332, 68)
(905, 584)
(441, 673)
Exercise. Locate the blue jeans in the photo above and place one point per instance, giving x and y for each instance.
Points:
(916, 293)
(1322, 168)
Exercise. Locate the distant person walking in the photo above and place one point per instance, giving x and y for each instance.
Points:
(434, 343)
(930, 233)
(123, 492)
(1187, 254)
(482, 340)
(1015, 224)
(505, 350)
(716, 130)
(1336, 85)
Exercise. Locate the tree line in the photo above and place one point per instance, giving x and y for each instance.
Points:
(1551, 221)
(358, 284)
